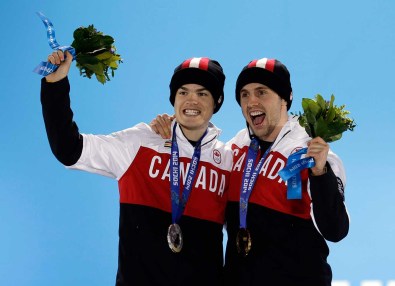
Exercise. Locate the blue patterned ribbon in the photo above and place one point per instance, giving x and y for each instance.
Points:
(249, 178)
(291, 173)
(46, 68)
(177, 204)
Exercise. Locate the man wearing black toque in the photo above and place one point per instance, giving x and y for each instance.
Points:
(172, 192)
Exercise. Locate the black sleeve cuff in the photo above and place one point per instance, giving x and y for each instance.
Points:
(327, 194)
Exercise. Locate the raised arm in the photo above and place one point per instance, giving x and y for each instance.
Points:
(63, 135)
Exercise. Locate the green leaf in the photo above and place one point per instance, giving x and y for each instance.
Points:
(84, 59)
(97, 67)
(104, 55)
(321, 102)
(309, 105)
(95, 53)
(113, 65)
(101, 78)
(310, 116)
(325, 119)
(320, 128)
(332, 101)
(334, 138)
(305, 104)
(331, 113)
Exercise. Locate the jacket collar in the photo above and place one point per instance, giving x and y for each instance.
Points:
(212, 133)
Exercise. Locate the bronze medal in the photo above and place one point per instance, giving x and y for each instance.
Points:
(174, 237)
(243, 242)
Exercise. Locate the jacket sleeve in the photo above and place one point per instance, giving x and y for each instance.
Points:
(64, 138)
(328, 208)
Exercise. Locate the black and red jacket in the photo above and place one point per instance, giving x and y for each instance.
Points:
(139, 160)
(288, 236)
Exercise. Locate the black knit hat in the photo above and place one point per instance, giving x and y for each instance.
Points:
(269, 72)
(202, 71)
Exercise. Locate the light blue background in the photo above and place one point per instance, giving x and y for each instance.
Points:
(60, 227)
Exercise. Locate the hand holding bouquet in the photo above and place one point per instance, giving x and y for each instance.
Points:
(93, 52)
(320, 118)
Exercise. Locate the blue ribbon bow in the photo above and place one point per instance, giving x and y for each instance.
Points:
(291, 173)
(46, 68)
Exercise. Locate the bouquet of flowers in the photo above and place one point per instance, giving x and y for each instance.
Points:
(320, 118)
(95, 53)
(324, 119)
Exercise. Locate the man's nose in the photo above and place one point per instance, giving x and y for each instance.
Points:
(193, 97)
(252, 100)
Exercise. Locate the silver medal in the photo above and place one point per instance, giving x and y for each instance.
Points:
(174, 237)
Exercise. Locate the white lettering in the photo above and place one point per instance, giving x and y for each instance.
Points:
(235, 152)
(296, 166)
(166, 172)
(266, 165)
(201, 179)
(239, 164)
(278, 165)
(158, 170)
(151, 172)
(222, 185)
(46, 69)
(213, 181)
(183, 171)
(175, 176)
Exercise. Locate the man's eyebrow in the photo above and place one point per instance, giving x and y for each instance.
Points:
(257, 88)
(262, 87)
(199, 89)
(202, 89)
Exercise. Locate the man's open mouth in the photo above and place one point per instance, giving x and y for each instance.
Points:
(257, 117)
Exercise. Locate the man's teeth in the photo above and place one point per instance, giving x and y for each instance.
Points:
(191, 112)
(256, 113)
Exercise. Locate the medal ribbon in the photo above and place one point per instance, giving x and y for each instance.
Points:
(291, 173)
(46, 68)
(249, 178)
(177, 204)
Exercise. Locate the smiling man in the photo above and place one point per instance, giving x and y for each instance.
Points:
(172, 192)
(273, 239)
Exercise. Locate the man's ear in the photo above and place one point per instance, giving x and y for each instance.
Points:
(217, 102)
(220, 99)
